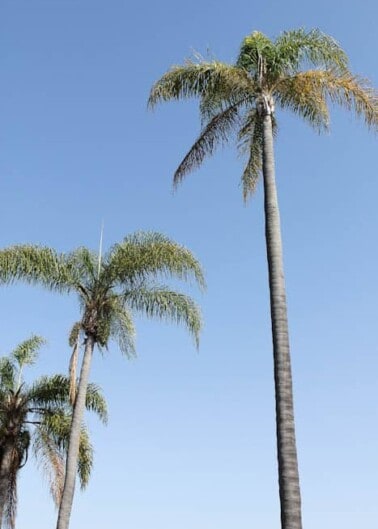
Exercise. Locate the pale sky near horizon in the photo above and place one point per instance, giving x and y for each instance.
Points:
(190, 441)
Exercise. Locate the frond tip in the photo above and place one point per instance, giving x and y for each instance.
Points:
(165, 304)
(216, 132)
(147, 255)
(199, 79)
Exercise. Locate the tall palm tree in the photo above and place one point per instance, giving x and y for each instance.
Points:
(127, 278)
(238, 102)
(37, 415)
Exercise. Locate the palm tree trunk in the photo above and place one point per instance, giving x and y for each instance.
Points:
(5, 471)
(74, 441)
(290, 497)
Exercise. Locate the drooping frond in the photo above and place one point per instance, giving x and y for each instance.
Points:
(36, 265)
(85, 462)
(213, 103)
(199, 79)
(122, 329)
(162, 303)
(217, 131)
(96, 403)
(301, 95)
(50, 458)
(346, 90)
(27, 351)
(351, 92)
(145, 255)
(51, 446)
(251, 141)
(297, 47)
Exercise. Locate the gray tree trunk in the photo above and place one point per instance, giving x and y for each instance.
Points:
(74, 441)
(290, 497)
(5, 470)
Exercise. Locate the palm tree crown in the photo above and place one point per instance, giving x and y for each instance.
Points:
(38, 416)
(267, 73)
(110, 288)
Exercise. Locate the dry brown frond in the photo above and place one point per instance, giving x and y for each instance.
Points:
(72, 372)
(307, 93)
(351, 92)
(301, 95)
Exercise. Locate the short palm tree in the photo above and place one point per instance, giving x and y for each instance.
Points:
(37, 415)
(239, 102)
(127, 278)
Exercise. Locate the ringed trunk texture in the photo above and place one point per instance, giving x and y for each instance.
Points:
(288, 476)
(74, 441)
(5, 470)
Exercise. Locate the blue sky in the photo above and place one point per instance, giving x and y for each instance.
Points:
(190, 441)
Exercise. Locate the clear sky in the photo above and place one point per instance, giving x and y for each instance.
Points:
(191, 442)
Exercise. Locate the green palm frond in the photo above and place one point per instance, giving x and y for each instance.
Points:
(51, 394)
(216, 102)
(217, 131)
(96, 402)
(48, 391)
(150, 254)
(82, 264)
(26, 352)
(251, 140)
(7, 374)
(165, 304)
(256, 52)
(199, 79)
(85, 462)
(122, 330)
(297, 47)
(36, 265)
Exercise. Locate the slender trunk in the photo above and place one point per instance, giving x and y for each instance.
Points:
(290, 497)
(5, 472)
(74, 441)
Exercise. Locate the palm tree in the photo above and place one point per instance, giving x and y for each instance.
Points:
(126, 278)
(37, 415)
(239, 101)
